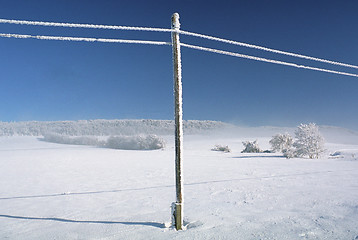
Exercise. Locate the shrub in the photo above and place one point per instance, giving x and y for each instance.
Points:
(281, 142)
(63, 139)
(139, 142)
(289, 152)
(251, 147)
(150, 142)
(221, 148)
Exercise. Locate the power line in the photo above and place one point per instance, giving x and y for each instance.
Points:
(265, 60)
(76, 25)
(77, 39)
(114, 27)
(266, 49)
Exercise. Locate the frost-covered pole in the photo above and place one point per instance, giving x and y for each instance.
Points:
(178, 206)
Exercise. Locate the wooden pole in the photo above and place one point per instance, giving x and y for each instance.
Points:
(178, 206)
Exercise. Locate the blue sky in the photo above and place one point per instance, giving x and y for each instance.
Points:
(54, 80)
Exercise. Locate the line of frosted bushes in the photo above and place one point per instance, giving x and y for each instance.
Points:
(137, 142)
(105, 127)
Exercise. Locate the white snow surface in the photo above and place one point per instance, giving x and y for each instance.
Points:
(57, 191)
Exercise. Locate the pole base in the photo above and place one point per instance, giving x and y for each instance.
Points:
(177, 215)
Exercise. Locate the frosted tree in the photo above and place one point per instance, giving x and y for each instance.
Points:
(251, 147)
(289, 152)
(309, 141)
(281, 142)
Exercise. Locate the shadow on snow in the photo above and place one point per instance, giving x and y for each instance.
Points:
(173, 186)
(152, 224)
(261, 156)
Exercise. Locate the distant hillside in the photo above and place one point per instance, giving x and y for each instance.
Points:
(334, 134)
(106, 127)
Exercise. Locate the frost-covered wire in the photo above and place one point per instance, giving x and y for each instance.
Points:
(265, 60)
(114, 27)
(60, 38)
(76, 25)
(266, 49)
(77, 39)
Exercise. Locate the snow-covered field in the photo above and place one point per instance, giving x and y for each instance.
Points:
(58, 191)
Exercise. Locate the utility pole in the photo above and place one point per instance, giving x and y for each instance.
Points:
(178, 206)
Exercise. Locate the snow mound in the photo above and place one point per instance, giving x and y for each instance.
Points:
(346, 154)
(221, 148)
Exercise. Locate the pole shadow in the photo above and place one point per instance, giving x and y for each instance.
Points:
(260, 156)
(150, 224)
(85, 193)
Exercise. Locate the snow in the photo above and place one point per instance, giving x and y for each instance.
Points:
(57, 191)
